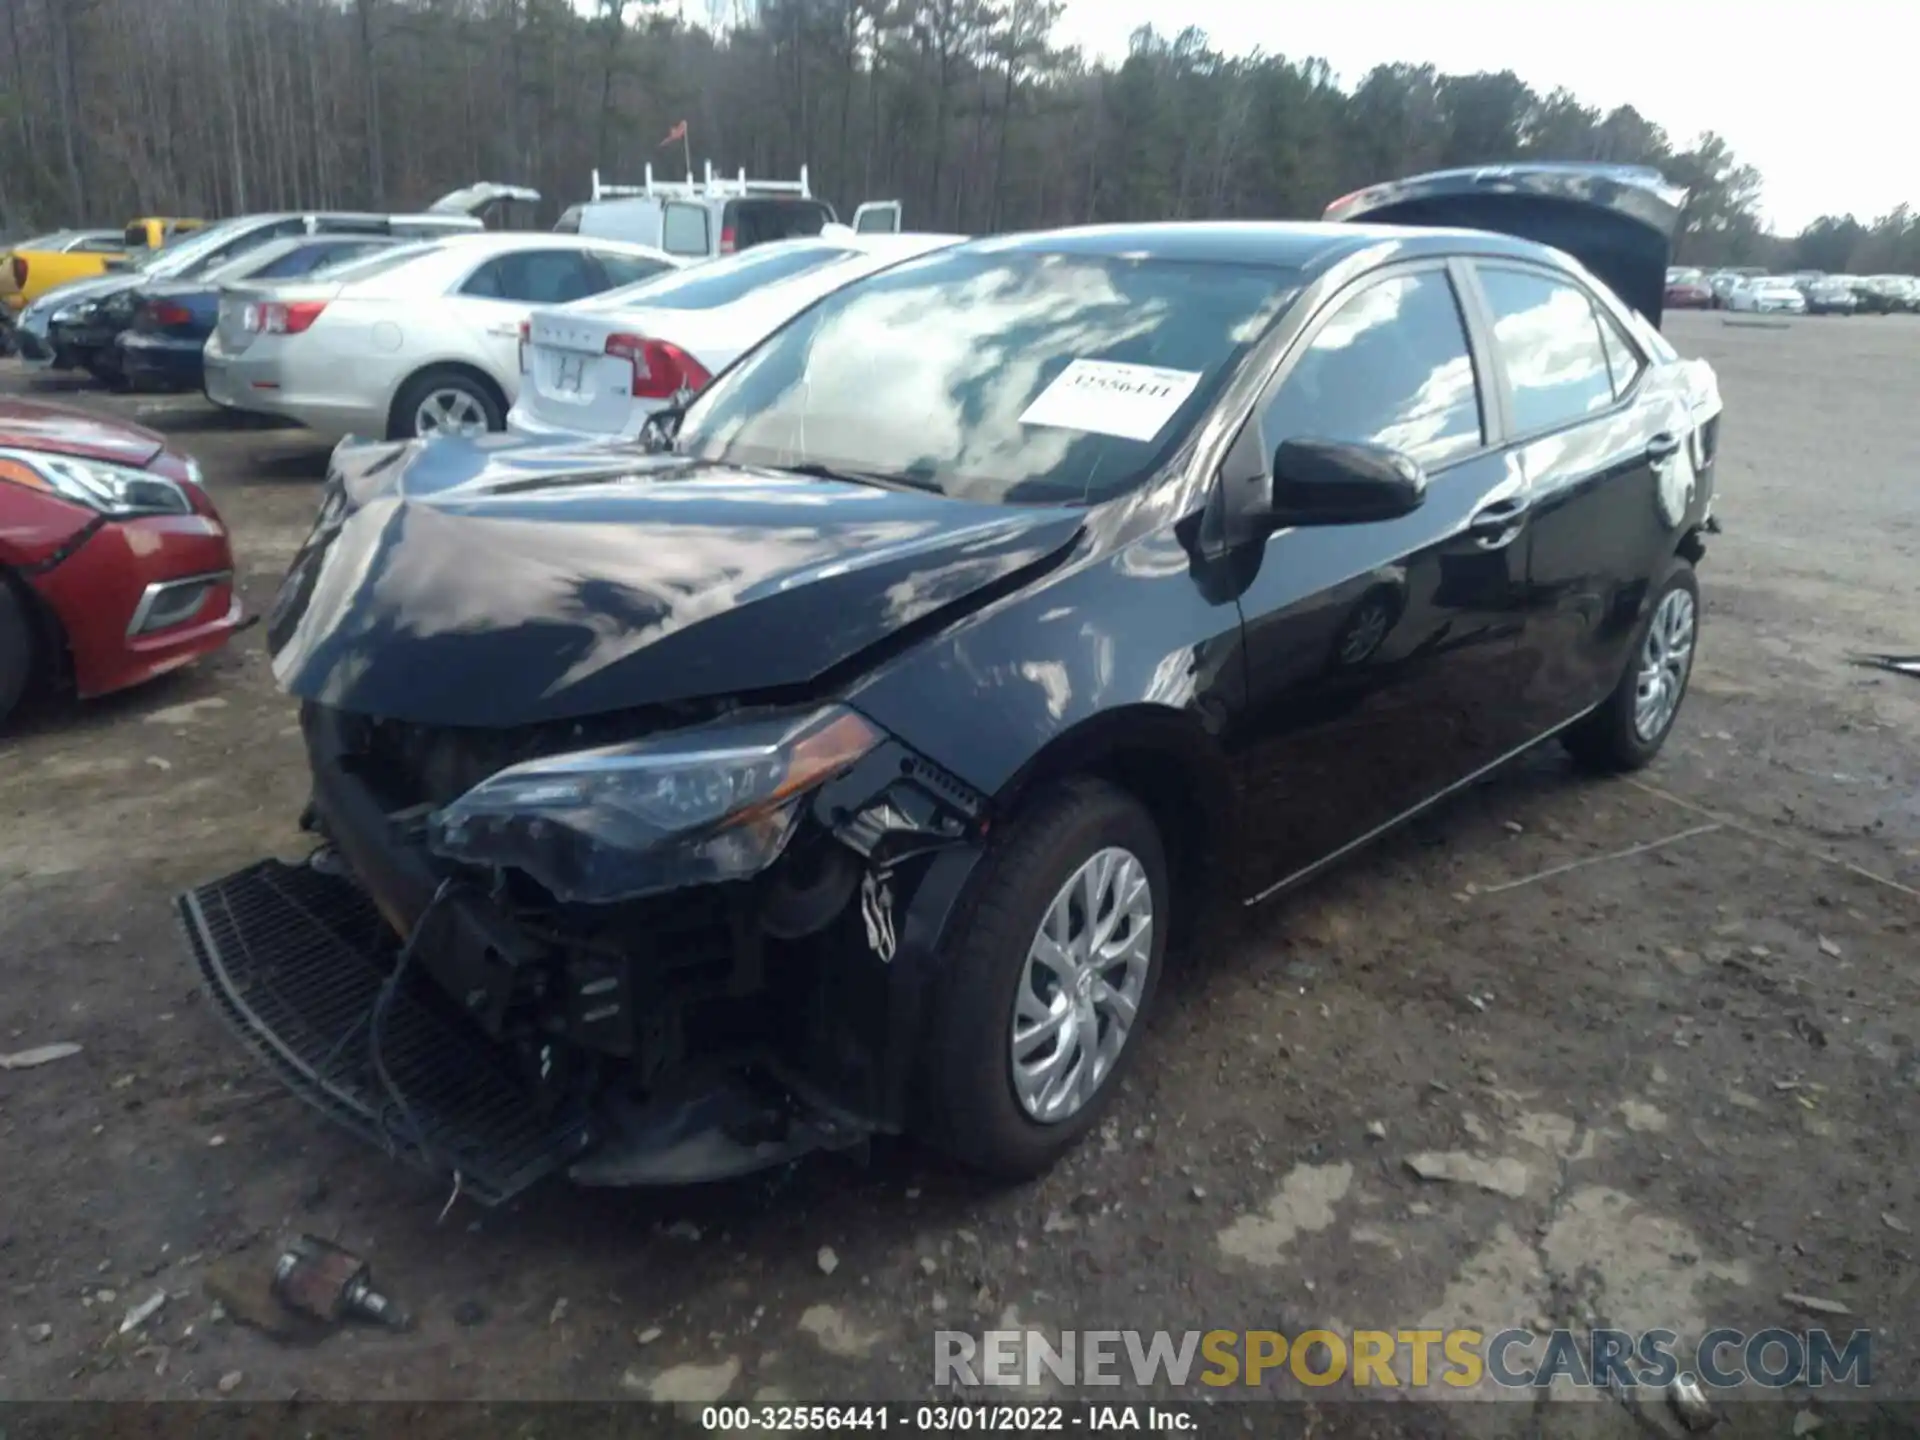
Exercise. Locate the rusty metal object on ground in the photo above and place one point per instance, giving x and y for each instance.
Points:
(318, 1278)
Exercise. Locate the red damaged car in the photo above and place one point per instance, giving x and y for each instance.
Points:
(114, 565)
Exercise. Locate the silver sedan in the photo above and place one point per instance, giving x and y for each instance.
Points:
(421, 339)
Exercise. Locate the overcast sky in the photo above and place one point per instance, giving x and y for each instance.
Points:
(1805, 93)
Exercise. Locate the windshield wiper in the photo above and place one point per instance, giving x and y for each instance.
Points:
(879, 479)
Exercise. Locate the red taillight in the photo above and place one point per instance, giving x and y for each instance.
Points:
(661, 370)
(20, 271)
(165, 312)
(275, 318)
(526, 339)
(726, 240)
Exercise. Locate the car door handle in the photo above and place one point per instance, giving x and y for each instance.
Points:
(1498, 523)
(1663, 446)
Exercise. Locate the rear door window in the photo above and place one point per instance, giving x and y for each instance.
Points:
(757, 222)
(1550, 345)
(685, 229)
(535, 277)
(97, 245)
(1390, 366)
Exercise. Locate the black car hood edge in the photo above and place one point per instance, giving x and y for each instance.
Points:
(497, 584)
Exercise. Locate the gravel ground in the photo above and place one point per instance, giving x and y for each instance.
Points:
(1690, 1073)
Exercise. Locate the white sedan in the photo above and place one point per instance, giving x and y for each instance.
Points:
(422, 339)
(599, 368)
(1768, 294)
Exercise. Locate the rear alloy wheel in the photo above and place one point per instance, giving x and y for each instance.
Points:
(1045, 981)
(445, 402)
(1632, 723)
(16, 647)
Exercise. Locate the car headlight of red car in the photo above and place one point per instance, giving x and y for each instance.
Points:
(114, 490)
(691, 807)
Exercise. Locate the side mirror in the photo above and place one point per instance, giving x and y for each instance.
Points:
(1338, 482)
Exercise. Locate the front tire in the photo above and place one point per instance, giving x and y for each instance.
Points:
(1046, 980)
(1632, 723)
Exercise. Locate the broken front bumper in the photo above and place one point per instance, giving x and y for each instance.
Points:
(295, 960)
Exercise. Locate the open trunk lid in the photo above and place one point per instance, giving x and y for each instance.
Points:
(1617, 220)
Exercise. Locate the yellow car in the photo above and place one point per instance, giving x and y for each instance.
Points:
(152, 231)
(35, 265)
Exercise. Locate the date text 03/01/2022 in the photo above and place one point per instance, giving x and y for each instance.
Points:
(977, 1419)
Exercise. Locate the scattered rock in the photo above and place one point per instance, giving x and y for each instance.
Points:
(1541, 1325)
(928, 1264)
(1690, 1404)
(938, 1303)
(1895, 1223)
(687, 1384)
(216, 1141)
(829, 1262)
(469, 1313)
(1377, 1130)
(1056, 1223)
(39, 1055)
(106, 1297)
(185, 714)
(1832, 951)
(648, 1335)
(835, 1333)
(1503, 1176)
(1199, 1192)
(1814, 1304)
(683, 1230)
(1805, 1422)
(559, 1311)
(1640, 1116)
(157, 763)
(143, 1312)
(40, 1334)
(230, 1382)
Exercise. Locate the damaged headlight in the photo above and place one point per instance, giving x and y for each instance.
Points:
(110, 489)
(716, 802)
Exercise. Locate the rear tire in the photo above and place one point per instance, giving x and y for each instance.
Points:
(1083, 834)
(16, 646)
(1632, 723)
(453, 394)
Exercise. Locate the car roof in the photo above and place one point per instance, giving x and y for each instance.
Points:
(1308, 245)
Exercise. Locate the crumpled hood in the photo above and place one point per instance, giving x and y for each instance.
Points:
(501, 583)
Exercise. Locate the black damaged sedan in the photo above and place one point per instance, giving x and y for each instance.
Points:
(846, 762)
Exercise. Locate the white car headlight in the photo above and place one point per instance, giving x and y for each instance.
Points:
(692, 807)
(112, 490)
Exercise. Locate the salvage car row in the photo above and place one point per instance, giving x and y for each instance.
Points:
(1805, 292)
(875, 651)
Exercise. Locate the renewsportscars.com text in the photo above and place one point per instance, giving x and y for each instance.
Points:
(1414, 1358)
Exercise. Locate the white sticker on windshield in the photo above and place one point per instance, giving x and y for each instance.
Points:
(1104, 397)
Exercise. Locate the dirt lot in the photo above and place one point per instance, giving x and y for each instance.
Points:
(1700, 1061)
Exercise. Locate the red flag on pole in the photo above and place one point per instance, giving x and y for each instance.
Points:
(678, 132)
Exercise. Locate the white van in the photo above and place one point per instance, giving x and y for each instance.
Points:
(717, 215)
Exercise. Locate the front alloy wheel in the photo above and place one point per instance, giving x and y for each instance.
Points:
(1080, 993)
(1044, 980)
